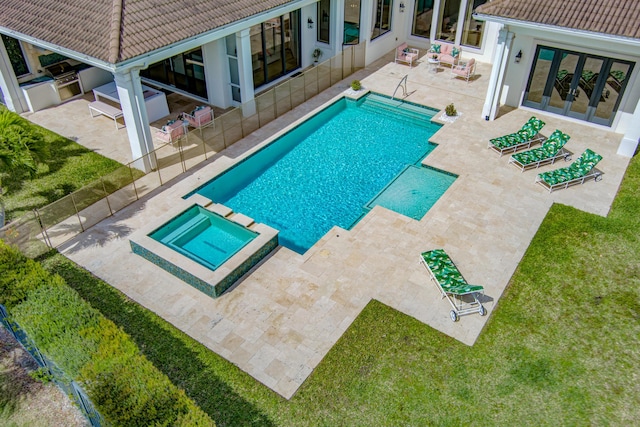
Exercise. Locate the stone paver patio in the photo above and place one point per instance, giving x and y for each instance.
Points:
(284, 316)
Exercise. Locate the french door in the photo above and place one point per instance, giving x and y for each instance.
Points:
(575, 84)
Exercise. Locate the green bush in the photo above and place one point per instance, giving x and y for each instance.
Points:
(124, 386)
(18, 276)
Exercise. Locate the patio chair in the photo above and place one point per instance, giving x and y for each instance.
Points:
(452, 285)
(576, 173)
(404, 53)
(464, 70)
(172, 131)
(200, 118)
(550, 151)
(528, 135)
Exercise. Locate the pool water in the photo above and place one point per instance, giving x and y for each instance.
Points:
(414, 191)
(323, 172)
(203, 236)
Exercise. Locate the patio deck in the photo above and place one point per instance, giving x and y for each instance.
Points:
(283, 317)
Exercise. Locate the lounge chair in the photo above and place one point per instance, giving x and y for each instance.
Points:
(465, 70)
(576, 173)
(200, 118)
(452, 285)
(172, 131)
(550, 151)
(528, 135)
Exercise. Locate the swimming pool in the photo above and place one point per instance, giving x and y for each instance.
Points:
(323, 172)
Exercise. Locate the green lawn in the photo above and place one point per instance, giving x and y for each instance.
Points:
(561, 348)
(68, 167)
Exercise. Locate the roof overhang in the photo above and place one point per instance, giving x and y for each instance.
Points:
(561, 31)
(144, 60)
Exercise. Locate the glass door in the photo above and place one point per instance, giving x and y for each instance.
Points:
(575, 84)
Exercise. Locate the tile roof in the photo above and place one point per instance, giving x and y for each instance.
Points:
(615, 17)
(117, 30)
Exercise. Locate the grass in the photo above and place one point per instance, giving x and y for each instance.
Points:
(68, 167)
(560, 349)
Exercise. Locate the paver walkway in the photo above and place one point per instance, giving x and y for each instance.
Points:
(279, 322)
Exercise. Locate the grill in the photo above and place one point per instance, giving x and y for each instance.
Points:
(66, 80)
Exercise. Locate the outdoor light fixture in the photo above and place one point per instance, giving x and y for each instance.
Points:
(401, 6)
(309, 22)
(518, 56)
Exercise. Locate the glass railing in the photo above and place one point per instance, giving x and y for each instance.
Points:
(62, 220)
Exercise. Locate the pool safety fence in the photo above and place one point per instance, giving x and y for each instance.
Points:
(58, 376)
(51, 226)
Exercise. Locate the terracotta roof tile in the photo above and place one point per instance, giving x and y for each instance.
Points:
(117, 30)
(615, 17)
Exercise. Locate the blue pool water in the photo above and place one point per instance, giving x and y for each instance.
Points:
(203, 236)
(324, 172)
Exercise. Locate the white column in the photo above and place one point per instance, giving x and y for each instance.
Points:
(11, 92)
(135, 118)
(245, 69)
(500, 60)
(216, 70)
(629, 142)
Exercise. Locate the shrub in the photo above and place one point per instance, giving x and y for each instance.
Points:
(18, 276)
(355, 85)
(125, 387)
(450, 110)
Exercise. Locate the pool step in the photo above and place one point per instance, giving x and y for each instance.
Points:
(242, 219)
(399, 110)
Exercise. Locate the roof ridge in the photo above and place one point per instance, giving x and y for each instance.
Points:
(114, 34)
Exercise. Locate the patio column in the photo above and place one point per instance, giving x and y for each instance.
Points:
(135, 118)
(629, 142)
(11, 92)
(245, 70)
(501, 58)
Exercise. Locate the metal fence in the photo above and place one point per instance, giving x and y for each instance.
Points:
(54, 224)
(68, 386)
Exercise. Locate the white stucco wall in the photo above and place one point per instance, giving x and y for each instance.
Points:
(528, 39)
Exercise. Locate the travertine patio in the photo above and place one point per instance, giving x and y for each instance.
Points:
(280, 320)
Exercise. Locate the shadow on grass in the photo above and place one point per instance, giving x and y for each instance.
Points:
(170, 350)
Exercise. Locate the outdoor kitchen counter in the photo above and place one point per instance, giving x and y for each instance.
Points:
(40, 93)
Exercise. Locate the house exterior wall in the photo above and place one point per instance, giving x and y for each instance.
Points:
(527, 40)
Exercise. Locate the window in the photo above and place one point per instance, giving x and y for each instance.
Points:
(382, 23)
(275, 48)
(351, 22)
(472, 33)
(16, 56)
(324, 20)
(448, 22)
(184, 71)
(422, 14)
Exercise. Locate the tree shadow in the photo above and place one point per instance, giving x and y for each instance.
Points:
(170, 350)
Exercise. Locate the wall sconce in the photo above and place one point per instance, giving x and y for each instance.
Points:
(401, 7)
(518, 56)
(309, 22)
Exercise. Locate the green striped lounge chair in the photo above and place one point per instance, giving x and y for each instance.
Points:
(577, 173)
(550, 151)
(462, 296)
(528, 135)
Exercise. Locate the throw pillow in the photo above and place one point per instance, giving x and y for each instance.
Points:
(455, 52)
(435, 48)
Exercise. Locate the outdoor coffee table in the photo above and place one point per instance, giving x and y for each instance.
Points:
(434, 64)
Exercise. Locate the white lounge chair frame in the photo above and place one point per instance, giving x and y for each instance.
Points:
(595, 174)
(458, 305)
(562, 154)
